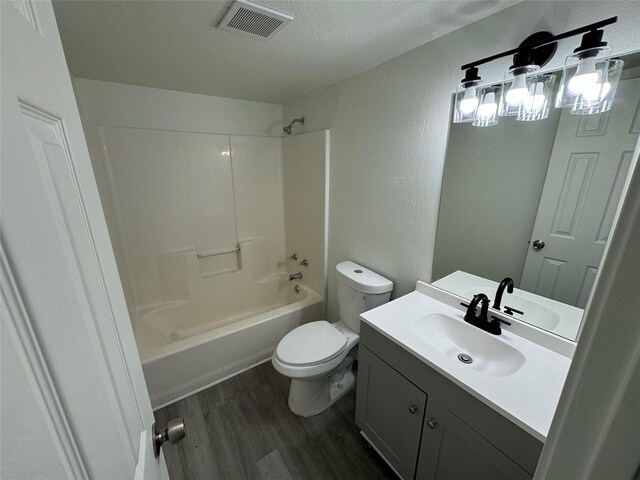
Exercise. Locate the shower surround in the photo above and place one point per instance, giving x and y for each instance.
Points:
(201, 225)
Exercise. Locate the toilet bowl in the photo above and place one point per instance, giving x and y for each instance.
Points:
(318, 356)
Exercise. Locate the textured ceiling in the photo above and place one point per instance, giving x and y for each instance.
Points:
(172, 45)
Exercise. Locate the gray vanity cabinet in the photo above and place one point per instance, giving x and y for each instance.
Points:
(427, 427)
(450, 449)
(392, 414)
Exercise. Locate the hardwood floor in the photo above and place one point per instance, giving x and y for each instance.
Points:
(243, 428)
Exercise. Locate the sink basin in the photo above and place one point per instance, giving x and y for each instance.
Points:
(452, 337)
(534, 312)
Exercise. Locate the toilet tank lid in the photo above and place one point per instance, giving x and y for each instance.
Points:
(362, 279)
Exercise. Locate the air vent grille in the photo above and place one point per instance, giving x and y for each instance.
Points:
(253, 20)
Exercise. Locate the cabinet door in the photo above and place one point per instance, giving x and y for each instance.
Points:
(390, 411)
(452, 450)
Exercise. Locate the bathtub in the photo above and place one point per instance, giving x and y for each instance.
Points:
(188, 346)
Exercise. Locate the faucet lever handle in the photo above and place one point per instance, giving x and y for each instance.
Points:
(501, 320)
(510, 310)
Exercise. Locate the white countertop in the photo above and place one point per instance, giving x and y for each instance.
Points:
(463, 283)
(528, 397)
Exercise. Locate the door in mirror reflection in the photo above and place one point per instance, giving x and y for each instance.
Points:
(587, 170)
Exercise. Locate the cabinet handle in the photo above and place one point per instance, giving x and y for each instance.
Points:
(413, 409)
(431, 423)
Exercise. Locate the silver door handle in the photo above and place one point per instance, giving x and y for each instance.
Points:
(173, 432)
(538, 244)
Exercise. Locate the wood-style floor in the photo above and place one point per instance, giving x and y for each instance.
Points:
(243, 428)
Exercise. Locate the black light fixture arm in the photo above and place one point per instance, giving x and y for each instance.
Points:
(530, 46)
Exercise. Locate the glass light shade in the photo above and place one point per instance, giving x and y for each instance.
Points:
(583, 74)
(466, 102)
(598, 97)
(516, 88)
(490, 106)
(537, 104)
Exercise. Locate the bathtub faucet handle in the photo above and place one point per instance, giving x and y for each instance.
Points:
(295, 276)
(304, 263)
(293, 257)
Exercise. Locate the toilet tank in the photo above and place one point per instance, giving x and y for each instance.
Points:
(359, 290)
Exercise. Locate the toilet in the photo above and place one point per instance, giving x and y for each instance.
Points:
(318, 356)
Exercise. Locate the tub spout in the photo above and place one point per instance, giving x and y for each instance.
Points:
(295, 276)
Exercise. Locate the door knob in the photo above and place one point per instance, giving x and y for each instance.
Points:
(431, 423)
(413, 409)
(538, 244)
(173, 432)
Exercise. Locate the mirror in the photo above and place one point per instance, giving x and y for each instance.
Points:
(535, 201)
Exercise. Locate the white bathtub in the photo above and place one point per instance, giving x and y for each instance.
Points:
(188, 346)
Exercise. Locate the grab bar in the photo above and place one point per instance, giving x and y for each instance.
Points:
(217, 252)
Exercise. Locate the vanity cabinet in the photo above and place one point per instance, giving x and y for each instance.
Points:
(450, 449)
(393, 412)
(428, 427)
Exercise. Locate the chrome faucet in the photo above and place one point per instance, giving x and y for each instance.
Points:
(295, 276)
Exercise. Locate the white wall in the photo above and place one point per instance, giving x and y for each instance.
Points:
(306, 181)
(389, 130)
(119, 105)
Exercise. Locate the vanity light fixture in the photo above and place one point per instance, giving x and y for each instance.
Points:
(467, 97)
(527, 61)
(588, 84)
(589, 78)
(490, 106)
(537, 103)
(598, 98)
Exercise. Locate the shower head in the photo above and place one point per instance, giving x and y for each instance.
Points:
(287, 129)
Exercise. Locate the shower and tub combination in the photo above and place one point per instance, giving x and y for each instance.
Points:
(201, 226)
(190, 345)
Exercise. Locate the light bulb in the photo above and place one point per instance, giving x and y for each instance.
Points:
(469, 101)
(533, 103)
(489, 107)
(518, 91)
(585, 77)
(535, 98)
(596, 92)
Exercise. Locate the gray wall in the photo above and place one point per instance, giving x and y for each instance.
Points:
(389, 130)
(493, 179)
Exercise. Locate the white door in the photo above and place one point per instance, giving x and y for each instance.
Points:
(588, 167)
(73, 400)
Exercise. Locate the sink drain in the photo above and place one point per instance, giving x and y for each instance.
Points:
(464, 358)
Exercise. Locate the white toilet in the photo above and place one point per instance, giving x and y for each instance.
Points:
(318, 356)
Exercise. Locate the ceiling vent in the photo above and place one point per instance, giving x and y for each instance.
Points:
(253, 20)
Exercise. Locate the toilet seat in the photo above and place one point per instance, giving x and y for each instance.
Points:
(311, 344)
